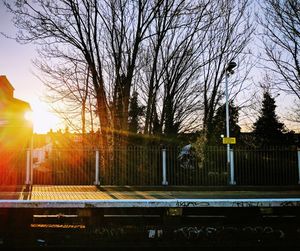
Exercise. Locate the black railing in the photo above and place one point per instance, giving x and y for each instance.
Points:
(143, 166)
(12, 167)
(269, 166)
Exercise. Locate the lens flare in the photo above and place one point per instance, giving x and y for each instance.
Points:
(28, 116)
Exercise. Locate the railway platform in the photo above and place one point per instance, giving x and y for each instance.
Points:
(108, 216)
(41, 196)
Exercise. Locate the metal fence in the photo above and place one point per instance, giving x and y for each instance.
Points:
(65, 167)
(12, 166)
(270, 166)
(151, 166)
(131, 166)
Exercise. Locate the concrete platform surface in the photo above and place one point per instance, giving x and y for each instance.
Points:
(39, 196)
(73, 193)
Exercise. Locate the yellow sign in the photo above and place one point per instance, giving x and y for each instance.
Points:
(230, 140)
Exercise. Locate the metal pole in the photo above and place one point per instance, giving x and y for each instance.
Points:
(97, 182)
(164, 167)
(27, 181)
(298, 153)
(31, 160)
(227, 127)
(232, 178)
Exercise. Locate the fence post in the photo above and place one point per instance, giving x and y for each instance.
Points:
(28, 160)
(164, 167)
(97, 181)
(298, 153)
(31, 160)
(232, 178)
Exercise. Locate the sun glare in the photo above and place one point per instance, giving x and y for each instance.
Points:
(28, 116)
(43, 120)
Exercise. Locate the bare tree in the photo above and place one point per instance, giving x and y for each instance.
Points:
(66, 29)
(167, 19)
(280, 21)
(169, 48)
(179, 86)
(127, 26)
(105, 35)
(189, 68)
(170, 67)
(69, 92)
(227, 40)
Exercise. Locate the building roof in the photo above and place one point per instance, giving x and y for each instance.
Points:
(7, 100)
(21, 104)
(5, 84)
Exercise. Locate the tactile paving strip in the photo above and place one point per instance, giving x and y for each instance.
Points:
(74, 193)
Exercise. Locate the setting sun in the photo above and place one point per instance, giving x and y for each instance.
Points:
(28, 116)
(18, 113)
(43, 120)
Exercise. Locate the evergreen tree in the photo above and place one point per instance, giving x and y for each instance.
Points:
(219, 124)
(135, 111)
(267, 129)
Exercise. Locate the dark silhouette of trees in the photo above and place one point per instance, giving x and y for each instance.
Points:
(219, 124)
(229, 38)
(135, 113)
(105, 35)
(188, 82)
(174, 53)
(281, 39)
(170, 65)
(268, 130)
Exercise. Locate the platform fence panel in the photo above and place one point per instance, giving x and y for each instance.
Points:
(268, 166)
(66, 167)
(133, 165)
(12, 167)
(142, 166)
(209, 169)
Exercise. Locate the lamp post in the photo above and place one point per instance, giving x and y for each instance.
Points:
(228, 71)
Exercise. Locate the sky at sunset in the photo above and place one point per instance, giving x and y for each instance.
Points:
(16, 64)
